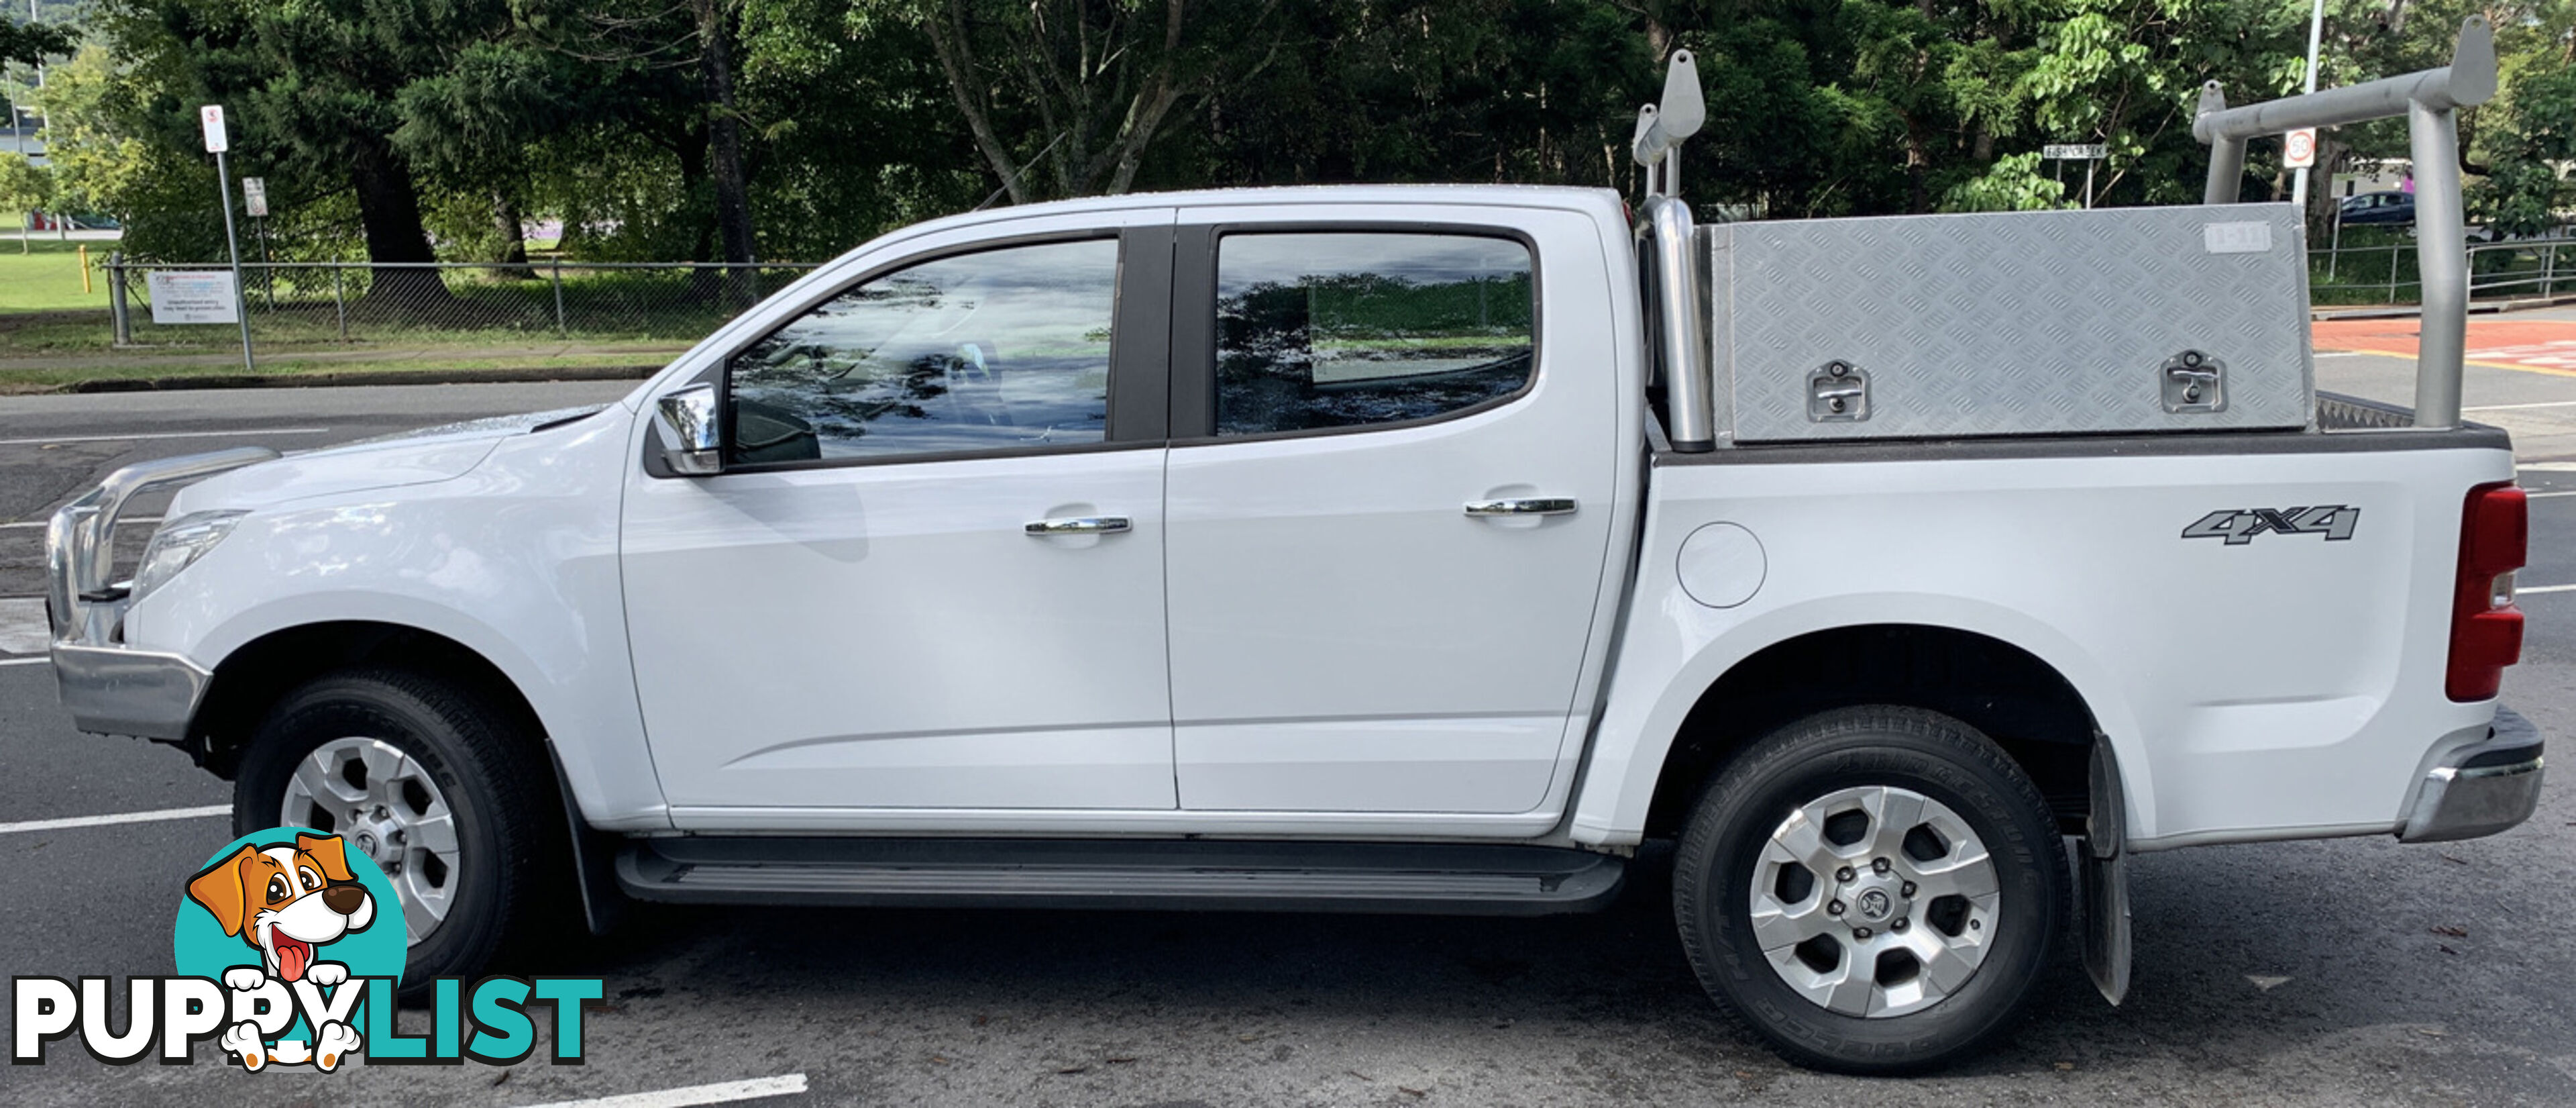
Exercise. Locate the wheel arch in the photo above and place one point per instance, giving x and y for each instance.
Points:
(251, 677)
(2013, 694)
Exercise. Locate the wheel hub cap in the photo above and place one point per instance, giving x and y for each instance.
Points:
(1874, 901)
(386, 805)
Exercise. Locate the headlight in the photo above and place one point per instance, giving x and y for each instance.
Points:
(178, 544)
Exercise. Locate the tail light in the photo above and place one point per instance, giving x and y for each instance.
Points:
(2486, 629)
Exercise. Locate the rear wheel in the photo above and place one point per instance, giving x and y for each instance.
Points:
(439, 787)
(1873, 890)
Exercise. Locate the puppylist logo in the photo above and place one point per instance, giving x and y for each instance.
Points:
(290, 948)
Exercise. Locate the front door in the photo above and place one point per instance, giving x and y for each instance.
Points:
(1388, 524)
(931, 573)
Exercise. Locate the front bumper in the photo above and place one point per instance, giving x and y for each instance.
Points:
(2479, 789)
(115, 690)
(111, 688)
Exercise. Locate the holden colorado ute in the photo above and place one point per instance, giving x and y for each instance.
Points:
(1398, 549)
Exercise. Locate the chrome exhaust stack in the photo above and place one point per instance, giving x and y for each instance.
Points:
(1680, 331)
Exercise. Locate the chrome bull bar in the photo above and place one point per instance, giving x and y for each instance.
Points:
(83, 604)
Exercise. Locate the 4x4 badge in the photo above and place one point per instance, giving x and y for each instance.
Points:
(2239, 525)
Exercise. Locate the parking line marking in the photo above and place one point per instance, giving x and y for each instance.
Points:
(121, 522)
(2542, 495)
(136, 817)
(720, 1093)
(167, 435)
(36, 661)
(2520, 591)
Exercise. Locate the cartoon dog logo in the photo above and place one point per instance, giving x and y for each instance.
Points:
(287, 903)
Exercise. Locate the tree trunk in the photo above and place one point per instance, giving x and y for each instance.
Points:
(514, 238)
(389, 208)
(724, 149)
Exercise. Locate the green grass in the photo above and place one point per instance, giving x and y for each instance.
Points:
(50, 378)
(48, 276)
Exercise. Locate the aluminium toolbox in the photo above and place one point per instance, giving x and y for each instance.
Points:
(2014, 323)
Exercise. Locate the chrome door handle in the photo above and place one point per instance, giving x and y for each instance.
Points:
(1523, 506)
(1081, 525)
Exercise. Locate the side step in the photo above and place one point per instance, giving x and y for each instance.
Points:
(1191, 874)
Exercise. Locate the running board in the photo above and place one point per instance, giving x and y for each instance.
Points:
(1186, 874)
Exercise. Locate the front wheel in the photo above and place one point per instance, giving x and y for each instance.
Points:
(1873, 890)
(437, 785)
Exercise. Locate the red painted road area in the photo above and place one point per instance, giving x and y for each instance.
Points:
(2536, 345)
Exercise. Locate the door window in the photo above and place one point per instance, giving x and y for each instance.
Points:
(1001, 349)
(1347, 329)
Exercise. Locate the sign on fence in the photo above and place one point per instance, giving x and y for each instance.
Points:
(2075, 152)
(255, 197)
(192, 296)
(2299, 148)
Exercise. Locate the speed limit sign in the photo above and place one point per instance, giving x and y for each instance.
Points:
(2299, 148)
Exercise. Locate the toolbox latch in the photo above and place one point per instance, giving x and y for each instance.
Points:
(1838, 392)
(2193, 382)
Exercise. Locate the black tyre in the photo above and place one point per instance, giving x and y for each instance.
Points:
(1874, 890)
(443, 789)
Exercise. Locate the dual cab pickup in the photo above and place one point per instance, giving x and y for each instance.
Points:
(1331, 549)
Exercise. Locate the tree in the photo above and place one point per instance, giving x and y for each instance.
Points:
(2528, 147)
(23, 188)
(1066, 99)
(313, 91)
(30, 43)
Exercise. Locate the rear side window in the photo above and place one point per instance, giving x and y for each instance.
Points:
(1348, 329)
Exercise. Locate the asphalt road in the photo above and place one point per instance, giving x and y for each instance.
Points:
(2344, 972)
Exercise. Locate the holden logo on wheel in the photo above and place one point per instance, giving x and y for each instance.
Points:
(1874, 904)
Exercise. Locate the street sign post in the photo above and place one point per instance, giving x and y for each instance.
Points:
(2085, 152)
(211, 118)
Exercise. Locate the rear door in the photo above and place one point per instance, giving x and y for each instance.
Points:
(1389, 502)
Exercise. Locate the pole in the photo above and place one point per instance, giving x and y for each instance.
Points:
(2334, 251)
(339, 306)
(232, 246)
(83, 251)
(2088, 183)
(560, 330)
(2441, 264)
(267, 265)
(116, 309)
(2316, 30)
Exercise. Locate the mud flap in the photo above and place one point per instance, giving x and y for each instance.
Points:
(2102, 865)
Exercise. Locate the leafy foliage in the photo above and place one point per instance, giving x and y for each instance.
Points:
(706, 129)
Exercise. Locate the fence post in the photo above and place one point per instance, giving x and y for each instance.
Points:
(116, 310)
(339, 304)
(2334, 245)
(560, 330)
(2392, 271)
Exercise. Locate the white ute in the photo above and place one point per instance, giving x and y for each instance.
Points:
(1399, 549)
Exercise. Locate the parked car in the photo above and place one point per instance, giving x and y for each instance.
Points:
(2391, 207)
(1386, 549)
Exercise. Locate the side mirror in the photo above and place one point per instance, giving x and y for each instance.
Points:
(692, 439)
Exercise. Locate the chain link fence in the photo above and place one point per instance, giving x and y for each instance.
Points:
(448, 304)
